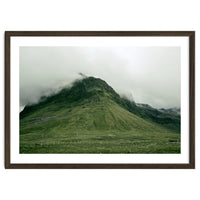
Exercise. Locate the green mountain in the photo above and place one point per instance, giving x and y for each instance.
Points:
(90, 117)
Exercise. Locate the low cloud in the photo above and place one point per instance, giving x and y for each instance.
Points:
(146, 74)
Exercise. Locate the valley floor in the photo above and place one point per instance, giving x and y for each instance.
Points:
(116, 142)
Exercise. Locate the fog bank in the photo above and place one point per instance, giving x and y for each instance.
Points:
(146, 74)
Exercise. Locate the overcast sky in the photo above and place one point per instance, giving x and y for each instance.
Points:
(146, 74)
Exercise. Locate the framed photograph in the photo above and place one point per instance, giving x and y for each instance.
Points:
(99, 99)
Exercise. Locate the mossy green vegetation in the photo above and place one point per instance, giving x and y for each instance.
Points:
(90, 117)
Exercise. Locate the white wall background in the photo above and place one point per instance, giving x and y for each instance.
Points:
(99, 15)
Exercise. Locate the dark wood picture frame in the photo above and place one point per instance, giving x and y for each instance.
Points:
(190, 165)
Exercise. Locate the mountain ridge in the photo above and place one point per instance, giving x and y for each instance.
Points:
(90, 90)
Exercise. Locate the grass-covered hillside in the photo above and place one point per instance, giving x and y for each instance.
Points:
(90, 117)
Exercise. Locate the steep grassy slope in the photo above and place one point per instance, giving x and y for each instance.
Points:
(91, 117)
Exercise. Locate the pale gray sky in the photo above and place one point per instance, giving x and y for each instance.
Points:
(146, 74)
